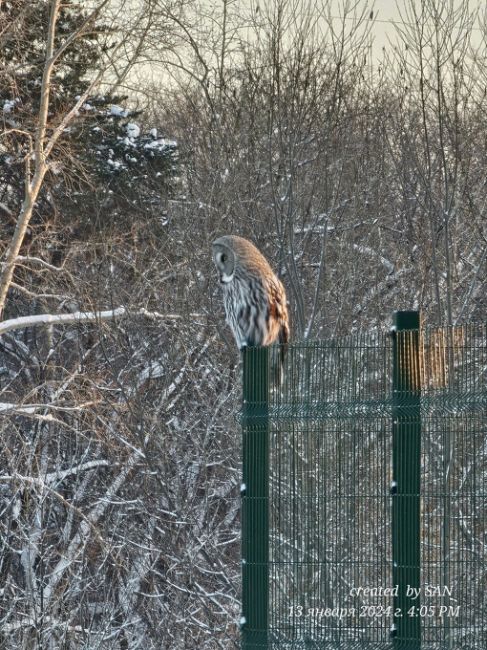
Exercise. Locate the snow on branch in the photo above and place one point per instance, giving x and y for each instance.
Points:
(366, 250)
(22, 410)
(80, 317)
(58, 475)
(88, 523)
(38, 260)
(35, 409)
(54, 319)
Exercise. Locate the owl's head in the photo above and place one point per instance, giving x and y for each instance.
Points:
(232, 253)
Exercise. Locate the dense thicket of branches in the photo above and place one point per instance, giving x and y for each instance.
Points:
(365, 186)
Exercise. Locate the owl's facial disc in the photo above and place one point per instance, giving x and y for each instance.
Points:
(225, 263)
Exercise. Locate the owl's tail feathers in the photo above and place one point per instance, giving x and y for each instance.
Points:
(283, 340)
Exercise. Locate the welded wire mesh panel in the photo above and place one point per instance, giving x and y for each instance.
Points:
(348, 418)
(329, 494)
(454, 485)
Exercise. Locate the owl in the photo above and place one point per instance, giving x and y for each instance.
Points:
(254, 298)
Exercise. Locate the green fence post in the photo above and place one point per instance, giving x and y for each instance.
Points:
(255, 499)
(406, 465)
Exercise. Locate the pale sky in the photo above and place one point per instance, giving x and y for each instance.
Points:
(386, 11)
(383, 30)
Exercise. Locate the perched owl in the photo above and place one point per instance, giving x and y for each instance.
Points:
(254, 298)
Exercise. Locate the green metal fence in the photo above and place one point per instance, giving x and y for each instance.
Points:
(364, 492)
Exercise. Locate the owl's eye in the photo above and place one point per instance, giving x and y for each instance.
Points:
(223, 258)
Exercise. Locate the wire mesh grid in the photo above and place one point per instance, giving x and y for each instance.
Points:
(328, 563)
(453, 375)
